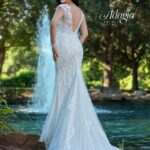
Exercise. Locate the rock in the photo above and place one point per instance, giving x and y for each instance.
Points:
(118, 95)
(20, 141)
(139, 93)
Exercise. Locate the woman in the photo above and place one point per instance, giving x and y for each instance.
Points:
(71, 123)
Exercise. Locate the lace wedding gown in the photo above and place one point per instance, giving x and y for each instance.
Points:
(72, 123)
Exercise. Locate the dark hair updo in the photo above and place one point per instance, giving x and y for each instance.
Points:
(74, 1)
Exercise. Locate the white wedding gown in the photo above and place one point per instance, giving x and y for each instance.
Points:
(72, 123)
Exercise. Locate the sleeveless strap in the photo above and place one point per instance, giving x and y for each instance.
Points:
(80, 21)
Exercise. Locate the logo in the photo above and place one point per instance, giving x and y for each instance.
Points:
(114, 16)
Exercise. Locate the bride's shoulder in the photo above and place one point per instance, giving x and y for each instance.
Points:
(64, 6)
(80, 9)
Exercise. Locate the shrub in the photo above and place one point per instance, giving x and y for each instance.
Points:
(23, 78)
(5, 111)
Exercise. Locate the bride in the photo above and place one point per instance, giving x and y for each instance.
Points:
(71, 123)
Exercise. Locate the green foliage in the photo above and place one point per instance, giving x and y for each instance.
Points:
(5, 111)
(144, 75)
(121, 145)
(92, 72)
(19, 57)
(125, 83)
(23, 78)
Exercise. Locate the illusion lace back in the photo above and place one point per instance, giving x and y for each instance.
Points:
(72, 123)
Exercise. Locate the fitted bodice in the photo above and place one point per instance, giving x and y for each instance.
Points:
(65, 24)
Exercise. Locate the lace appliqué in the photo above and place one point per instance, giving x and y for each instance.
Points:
(71, 104)
(66, 22)
(88, 124)
(69, 137)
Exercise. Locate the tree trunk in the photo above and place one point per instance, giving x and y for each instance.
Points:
(107, 65)
(2, 56)
(135, 65)
(107, 75)
(108, 60)
(135, 76)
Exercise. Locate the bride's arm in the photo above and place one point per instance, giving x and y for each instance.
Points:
(83, 30)
(59, 13)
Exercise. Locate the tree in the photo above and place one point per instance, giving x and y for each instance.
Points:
(134, 41)
(18, 24)
(118, 43)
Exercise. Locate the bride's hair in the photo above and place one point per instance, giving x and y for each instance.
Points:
(74, 1)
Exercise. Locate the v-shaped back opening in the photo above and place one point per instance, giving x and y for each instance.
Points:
(77, 25)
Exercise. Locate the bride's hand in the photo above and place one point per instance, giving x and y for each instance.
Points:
(55, 54)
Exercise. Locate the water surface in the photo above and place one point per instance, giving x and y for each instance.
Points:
(123, 122)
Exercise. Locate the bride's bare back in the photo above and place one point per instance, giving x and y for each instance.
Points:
(76, 16)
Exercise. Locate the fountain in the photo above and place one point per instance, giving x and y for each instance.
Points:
(45, 76)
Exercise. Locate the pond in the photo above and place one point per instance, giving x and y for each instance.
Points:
(124, 123)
